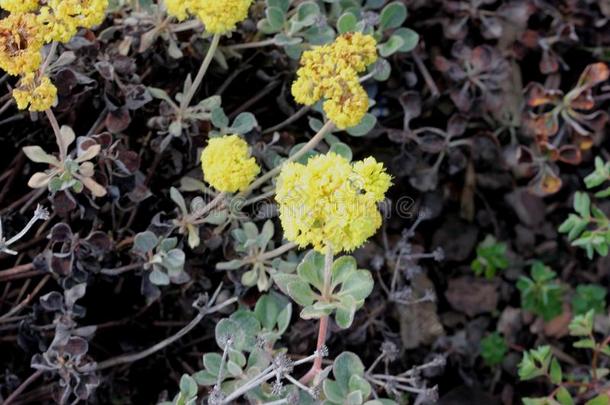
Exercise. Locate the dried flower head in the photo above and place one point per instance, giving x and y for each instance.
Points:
(330, 72)
(330, 201)
(20, 43)
(390, 350)
(218, 16)
(37, 93)
(227, 164)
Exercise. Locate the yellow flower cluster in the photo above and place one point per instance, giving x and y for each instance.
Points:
(20, 43)
(331, 202)
(39, 94)
(330, 72)
(24, 32)
(218, 16)
(178, 8)
(227, 164)
(63, 18)
(19, 6)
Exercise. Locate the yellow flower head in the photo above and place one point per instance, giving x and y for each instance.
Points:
(331, 202)
(372, 178)
(39, 94)
(19, 6)
(218, 16)
(331, 72)
(227, 164)
(221, 16)
(63, 18)
(20, 44)
(178, 8)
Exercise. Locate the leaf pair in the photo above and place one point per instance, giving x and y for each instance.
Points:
(348, 288)
(66, 172)
(349, 385)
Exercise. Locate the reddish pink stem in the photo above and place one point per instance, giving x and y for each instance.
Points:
(317, 363)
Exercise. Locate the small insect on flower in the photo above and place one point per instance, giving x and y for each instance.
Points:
(330, 72)
(19, 6)
(62, 18)
(227, 164)
(330, 201)
(218, 16)
(20, 43)
(37, 93)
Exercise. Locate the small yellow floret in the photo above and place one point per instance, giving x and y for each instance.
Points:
(38, 94)
(63, 18)
(331, 72)
(227, 164)
(19, 6)
(372, 178)
(20, 44)
(331, 202)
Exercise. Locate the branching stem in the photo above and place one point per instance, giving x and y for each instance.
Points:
(188, 97)
(323, 327)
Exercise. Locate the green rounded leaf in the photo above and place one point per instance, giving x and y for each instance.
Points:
(391, 46)
(301, 293)
(311, 269)
(275, 17)
(188, 386)
(392, 15)
(342, 149)
(144, 242)
(364, 127)
(347, 23)
(211, 362)
(409, 37)
(346, 365)
(157, 277)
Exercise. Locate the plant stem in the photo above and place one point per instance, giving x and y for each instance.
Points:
(211, 205)
(63, 151)
(258, 198)
(278, 251)
(9, 273)
(278, 402)
(313, 142)
(130, 358)
(323, 327)
(250, 45)
(596, 351)
(22, 387)
(288, 120)
(186, 100)
(255, 382)
(328, 264)
(426, 75)
(49, 57)
(260, 378)
(27, 300)
(121, 270)
(6, 105)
